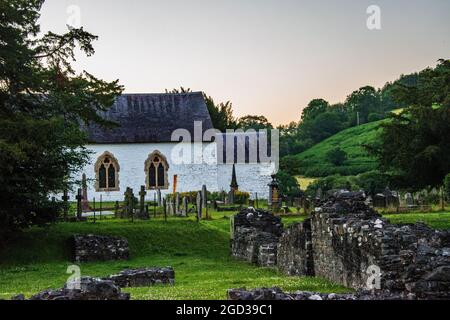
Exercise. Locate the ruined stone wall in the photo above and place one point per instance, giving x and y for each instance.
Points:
(348, 243)
(255, 236)
(295, 255)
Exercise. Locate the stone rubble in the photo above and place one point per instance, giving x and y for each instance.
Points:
(143, 277)
(89, 289)
(88, 248)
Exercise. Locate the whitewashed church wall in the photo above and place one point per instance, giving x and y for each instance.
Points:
(253, 178)
(132, 157)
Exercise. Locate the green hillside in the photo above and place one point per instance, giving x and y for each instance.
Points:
(314, 162)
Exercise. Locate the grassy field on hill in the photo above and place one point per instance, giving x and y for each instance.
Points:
(314, 162)
(199, 253)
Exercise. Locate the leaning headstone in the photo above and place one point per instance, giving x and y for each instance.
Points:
(199, 206)
(184, 212)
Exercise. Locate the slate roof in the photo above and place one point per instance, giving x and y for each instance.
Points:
(147, 118)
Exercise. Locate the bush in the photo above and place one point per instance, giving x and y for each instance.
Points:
(241, 197)
(375, 117)
(332, 183)
(336, 156)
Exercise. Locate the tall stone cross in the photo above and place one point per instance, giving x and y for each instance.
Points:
(65, 199)
(199, 206)
(142, 195)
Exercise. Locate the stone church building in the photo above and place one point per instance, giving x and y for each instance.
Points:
(141, 150)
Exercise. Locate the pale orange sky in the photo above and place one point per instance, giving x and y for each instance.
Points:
(267, 57)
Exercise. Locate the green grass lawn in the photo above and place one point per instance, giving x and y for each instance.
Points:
(438, 220)
(199, 253)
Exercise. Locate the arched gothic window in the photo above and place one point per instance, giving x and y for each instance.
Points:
(156, 171)
(107, 173)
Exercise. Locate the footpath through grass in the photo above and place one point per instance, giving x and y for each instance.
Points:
(199, 253)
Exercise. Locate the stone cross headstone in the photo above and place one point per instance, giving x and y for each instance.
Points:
(142, 195)
(65, 199)
(184, 212)
(79, 198)
(129, 201)
(142, 211)
(199, 206)
(177, 204)
(158, 196)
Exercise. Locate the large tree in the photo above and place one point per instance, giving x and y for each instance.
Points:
(415, 145)
(254, 122)
(44, 104)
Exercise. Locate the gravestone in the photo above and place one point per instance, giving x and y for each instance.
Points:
(116, 209)
(158, 197)
(199, 206)
(129, 203)
(204, 196)
(184, 212)
(164, 205)
(84, 201)
(177, 204)
(409, 199)
(65, 199)
(142, 195)
(79, 197)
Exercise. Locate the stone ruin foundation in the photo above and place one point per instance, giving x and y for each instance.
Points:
(255, 236)
(350, 244)
(88, 248)
(143, 277)
(89, 289)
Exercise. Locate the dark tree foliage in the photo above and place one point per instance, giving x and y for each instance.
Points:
(336, 156)
(43, 105)
(221, 114)
(415, 145)
(288, 184)
(254, 122)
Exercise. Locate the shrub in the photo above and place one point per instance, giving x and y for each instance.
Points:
(447, 186)
(336, 156)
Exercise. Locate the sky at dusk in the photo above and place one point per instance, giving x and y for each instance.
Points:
(268, 57)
